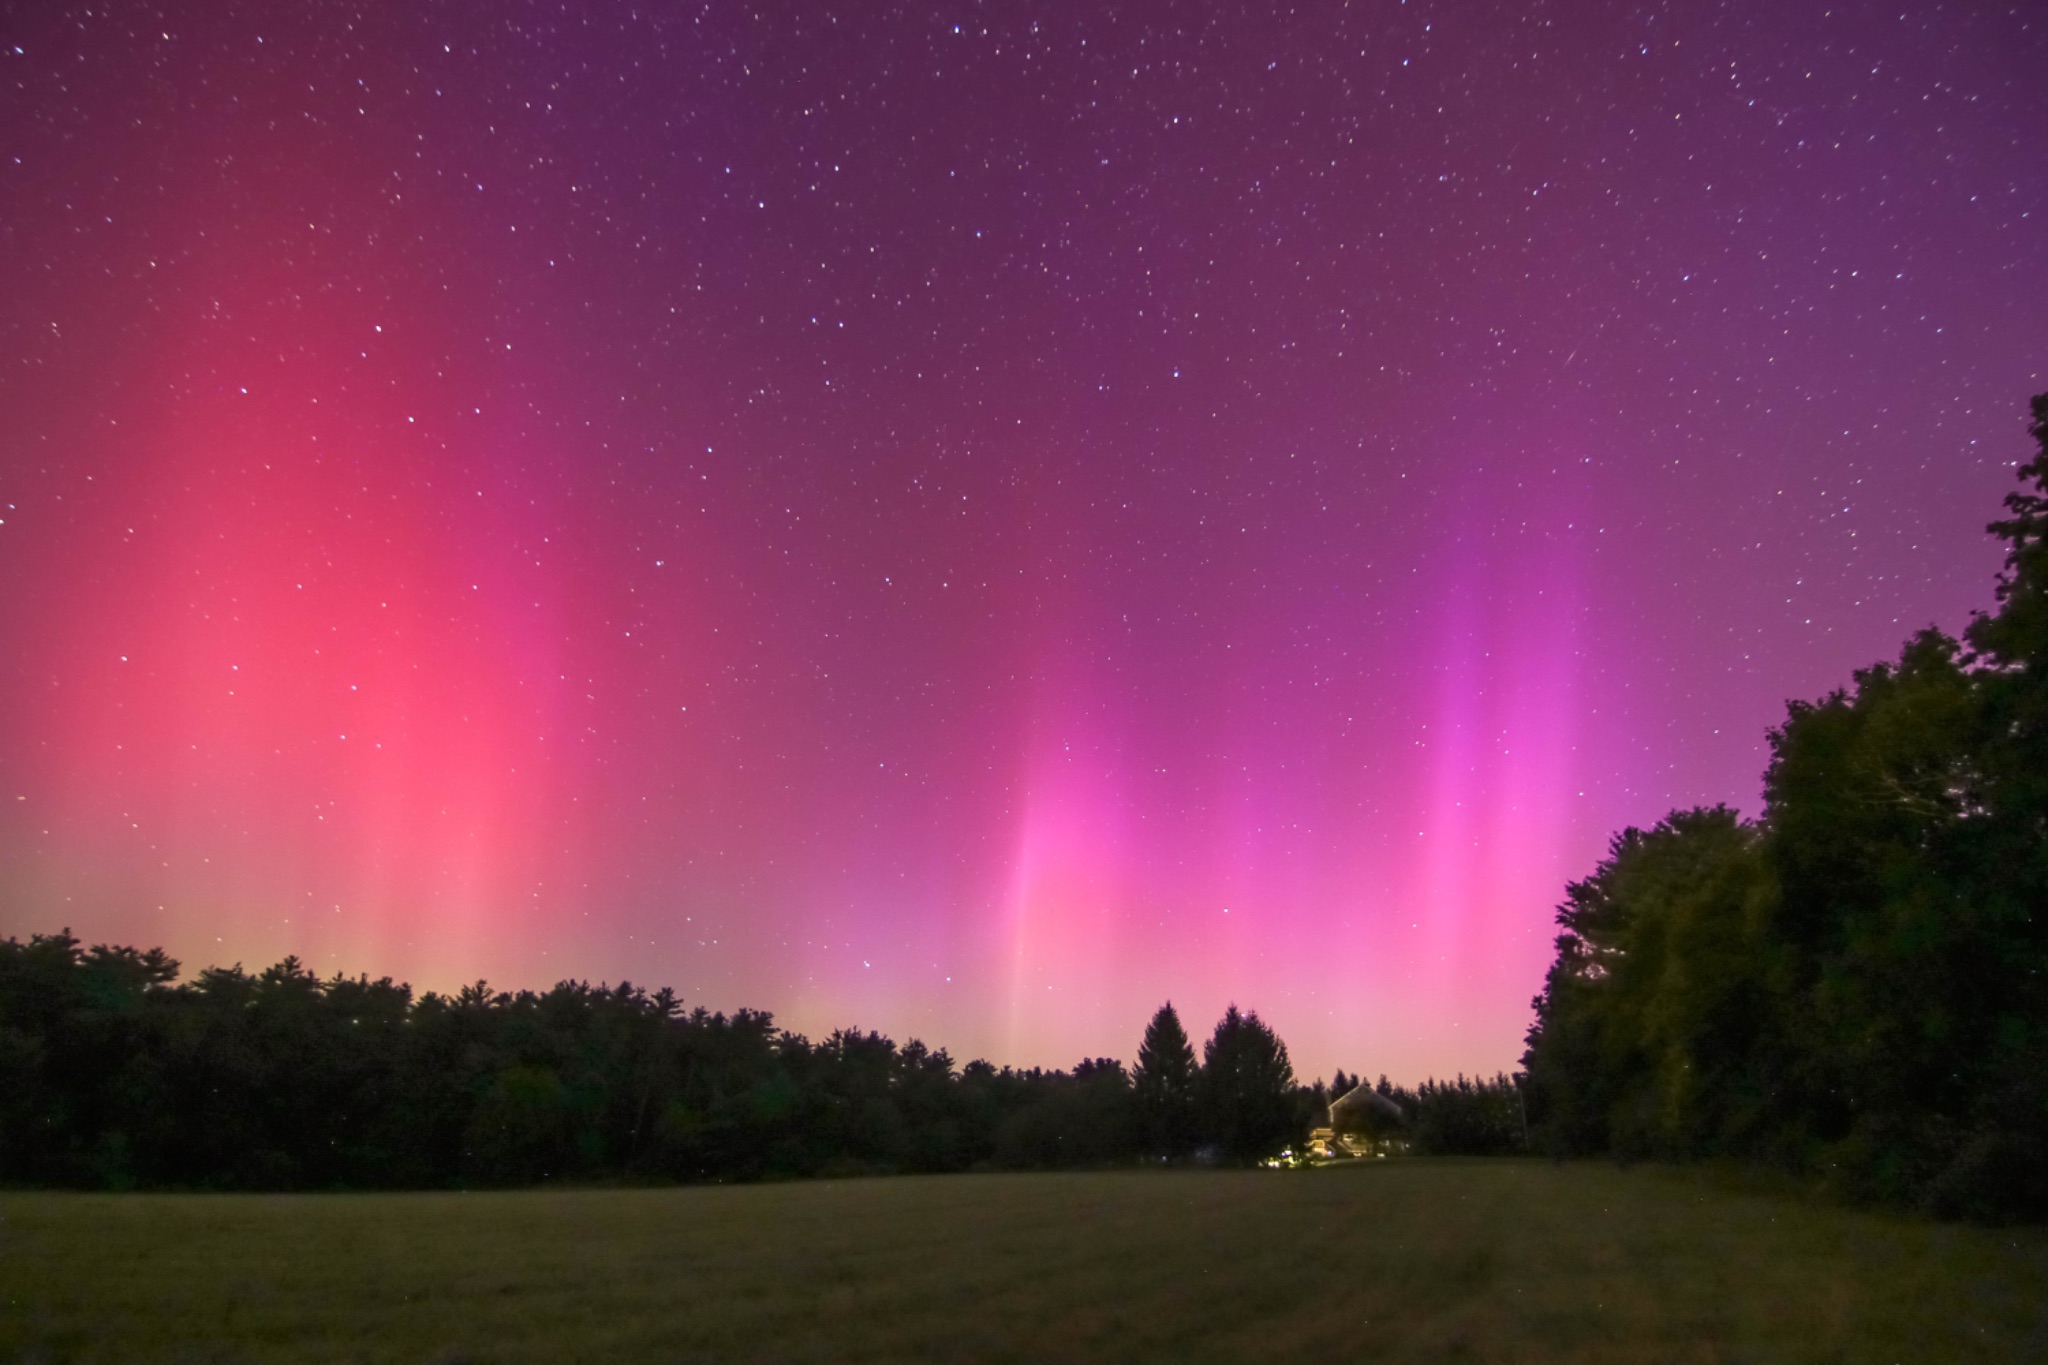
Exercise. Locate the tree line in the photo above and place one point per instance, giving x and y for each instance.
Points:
(114, 1074)
(1851, 986)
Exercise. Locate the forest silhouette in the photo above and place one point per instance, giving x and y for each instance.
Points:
(114, 1075)
(1848, 988)
(1851, 986)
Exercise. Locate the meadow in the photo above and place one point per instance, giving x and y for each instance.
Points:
(1398, 1260)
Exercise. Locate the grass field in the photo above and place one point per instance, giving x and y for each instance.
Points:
(1406, 1260)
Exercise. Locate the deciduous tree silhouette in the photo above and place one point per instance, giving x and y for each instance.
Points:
(1854, 985)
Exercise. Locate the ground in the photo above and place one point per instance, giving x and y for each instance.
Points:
(1396, 1260)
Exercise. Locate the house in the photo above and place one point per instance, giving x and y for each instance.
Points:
(1363, 1123)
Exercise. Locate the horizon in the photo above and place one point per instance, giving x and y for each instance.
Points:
(973, 526)
(187, 974)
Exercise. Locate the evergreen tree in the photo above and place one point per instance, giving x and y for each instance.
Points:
(1245, 1089)
(1164, 1085)
(1467, 1118)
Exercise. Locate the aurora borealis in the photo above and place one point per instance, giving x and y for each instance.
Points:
(972, 520)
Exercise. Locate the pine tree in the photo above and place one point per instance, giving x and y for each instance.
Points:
(1165, 1082)
(1246, 1080)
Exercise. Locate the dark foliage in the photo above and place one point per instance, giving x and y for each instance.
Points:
(1165, 1087)
(113, 1074)
(1244, 1092)
(1464, 1117)
(1851, 987)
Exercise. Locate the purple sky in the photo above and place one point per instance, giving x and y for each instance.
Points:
(972, 521)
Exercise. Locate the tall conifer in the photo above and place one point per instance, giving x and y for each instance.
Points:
(1165, 1082)
(1246, 1082)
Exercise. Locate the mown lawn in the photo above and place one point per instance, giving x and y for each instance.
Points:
(1404, 1260)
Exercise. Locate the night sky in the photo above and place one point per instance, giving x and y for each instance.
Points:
(973, 520)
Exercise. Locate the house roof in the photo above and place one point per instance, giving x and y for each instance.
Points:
(1363, 1105)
